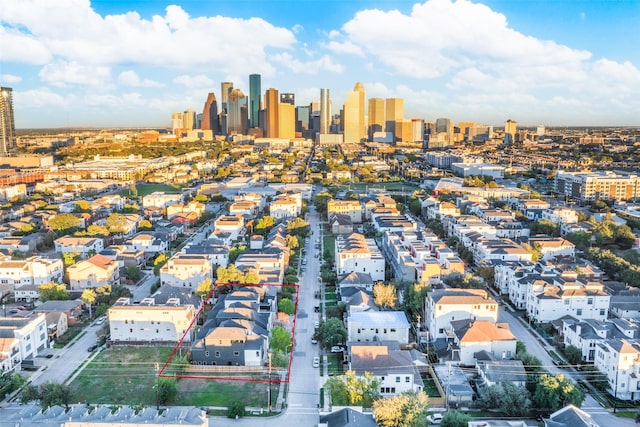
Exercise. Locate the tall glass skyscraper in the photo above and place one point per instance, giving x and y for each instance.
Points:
(255, 92)
(7, 124)
(325, 111)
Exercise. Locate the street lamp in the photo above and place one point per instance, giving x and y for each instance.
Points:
(157, 387)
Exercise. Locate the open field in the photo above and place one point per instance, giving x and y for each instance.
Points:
(146, 189)
(127, 375)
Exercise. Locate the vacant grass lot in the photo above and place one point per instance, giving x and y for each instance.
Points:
(126, 375)
(145, 189)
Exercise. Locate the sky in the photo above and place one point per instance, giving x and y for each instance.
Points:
(131, 63)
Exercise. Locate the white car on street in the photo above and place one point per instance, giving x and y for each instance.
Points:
(434, 419)
(316, 362)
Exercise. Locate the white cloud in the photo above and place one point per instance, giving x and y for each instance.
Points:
(23, 48)
(70, 30)
(297, 29)
(199, 81)
(9, 78)
(324, 63)
(41, 97)
(61, 74)
(131, 78)
(344, 47)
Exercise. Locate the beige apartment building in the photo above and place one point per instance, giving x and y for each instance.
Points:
(147, 321)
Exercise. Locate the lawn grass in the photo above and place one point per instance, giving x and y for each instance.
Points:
(329, 241)
(334, 365)
(146, 189)
(127, 375)
(430, 387)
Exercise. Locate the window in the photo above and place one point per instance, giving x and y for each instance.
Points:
(590, 301)
(397, 379)
(217, 354)
(566, 301)
(602, 312)
(206, 354)
(579, 312)
(236, 353)
(407, 379)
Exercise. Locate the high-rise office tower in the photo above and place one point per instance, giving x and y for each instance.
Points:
(189, 119)
(286, 120)
(176, 121)
(288, 98)
(510, 129)
(302, 118)
(210, 114)
(394, 110)
(376, 116)
(255, 94)
(225, 90)
(272, 104)
(325, 111)
(238, 112)
(540, 130)
(353, 124)
(7, 123)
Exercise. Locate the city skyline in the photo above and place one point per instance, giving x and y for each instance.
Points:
(134, 63)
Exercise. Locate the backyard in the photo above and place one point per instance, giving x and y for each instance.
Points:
(146, 189)
(127, 375)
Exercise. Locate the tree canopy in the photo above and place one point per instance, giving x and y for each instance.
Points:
(53, 292)
(285, 305)
(403, 410)
(385, 296)
(63, 222)
(349, 389)
(331, 332)
(556, 391)
(280, 339)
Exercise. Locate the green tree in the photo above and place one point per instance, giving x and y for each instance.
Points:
(204, 288)
(236, 410)
(201, 198)
(82, 206)
(9, 382)
(25, 229)
(320, 201)
(292, 241)
(298, 227)
(280, 339)
(63, 222)
(285, 305)
(30, 393)
(455, 419)
(133, 273)
(331, 332)
(145, 224)
(167, 390)
(265, 224)
(573, 354)
(116, 223)
(53, 292)
(385, 296)
(89, 298)
(556, 391)
(545, 226)
(70, 258)
(581, 239)
(403, 410)
(54, 394)
(235, 252)
(349, 389)
(96, 230)
(509, 398)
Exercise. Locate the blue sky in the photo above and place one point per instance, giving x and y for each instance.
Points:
(131, 63)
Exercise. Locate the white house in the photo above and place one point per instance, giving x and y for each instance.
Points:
(473, 336)
(444, 306)
(356, 253)
(619, 360)
(31, 271)
(367, 326)
(186, 271)
(284, 207)
(25, 338)
(158, 199)
(79, 245)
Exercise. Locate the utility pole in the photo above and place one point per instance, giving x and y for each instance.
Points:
(269, 393)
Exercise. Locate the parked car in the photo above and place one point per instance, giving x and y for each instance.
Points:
(314, 341)
(101, 319)
(92, 347)
(434, 419)
(316, 362)
(337, 349)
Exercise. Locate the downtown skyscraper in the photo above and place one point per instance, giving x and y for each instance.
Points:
(354, 124)
(255, 95)
(325, 111)
(7, 123)
(272, 101)
(210, 114)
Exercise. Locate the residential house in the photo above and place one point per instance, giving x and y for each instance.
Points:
(552, 247)
(159, 199)
(369, 326)
(147, 242)
(57, 325)
(473, 336)
(232, 224)
(83, 246)
(150, 322)
(586, 334)
(340, 224)
(567, 296)
(443, 306)
(34, 270)
(93, 273)
(356, 253)
(347, 417)
(351, 208)
(21, 338)
(72, 309)
(186, 271)
(490, 250)
(357, 280)
(619, 360)
(397, 370)
(493, 372)
(284, 207)
(533, 209)
(270, 265)
(570, 416)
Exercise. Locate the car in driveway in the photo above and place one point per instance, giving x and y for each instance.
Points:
(316, 362)
(314, 341)
(101, 319)
(337, 349)
(434, 419)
